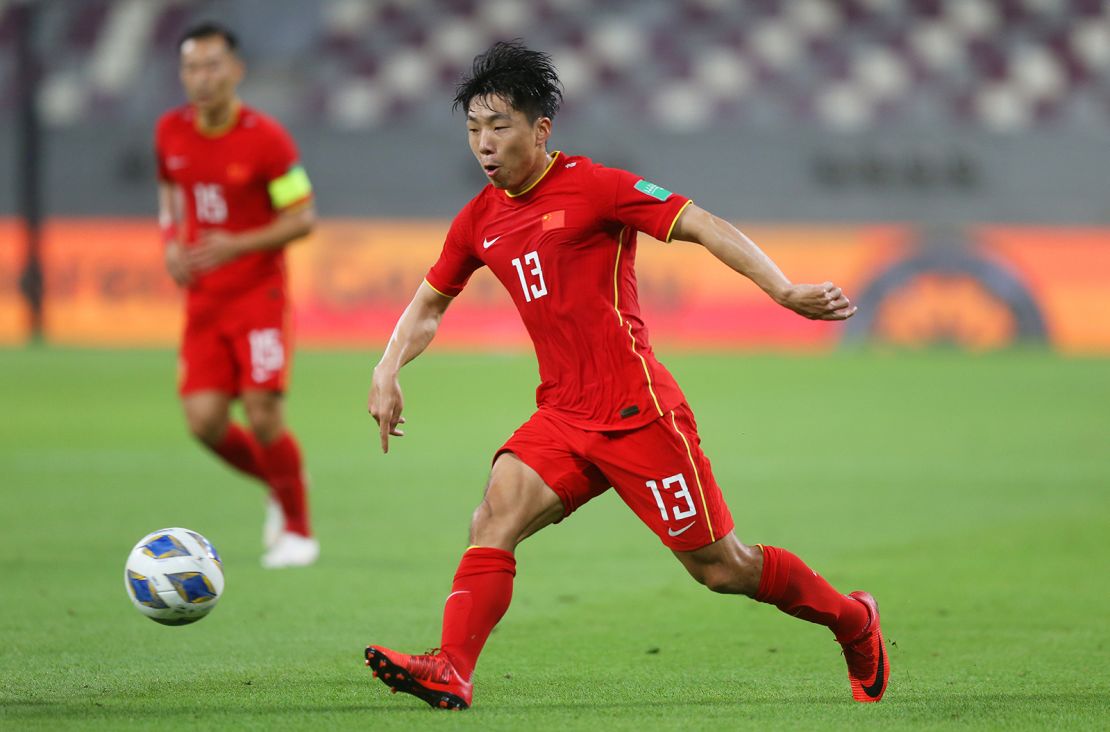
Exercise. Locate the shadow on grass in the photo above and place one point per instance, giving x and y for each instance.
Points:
(938, 705)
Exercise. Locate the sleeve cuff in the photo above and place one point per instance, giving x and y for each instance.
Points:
(674, 221)
(441, 292)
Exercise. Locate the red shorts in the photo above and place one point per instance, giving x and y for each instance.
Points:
(658, 470)
(239, 347)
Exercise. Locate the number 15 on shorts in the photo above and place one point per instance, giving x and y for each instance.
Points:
(676, 489)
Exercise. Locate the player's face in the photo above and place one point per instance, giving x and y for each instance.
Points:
(210, 72)
(510, 148)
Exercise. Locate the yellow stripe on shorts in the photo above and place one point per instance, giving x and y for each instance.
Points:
(697, 477)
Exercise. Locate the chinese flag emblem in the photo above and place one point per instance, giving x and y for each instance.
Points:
(238, 173)
(554, 220)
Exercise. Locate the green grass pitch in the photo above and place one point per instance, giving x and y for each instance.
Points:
(970, 495)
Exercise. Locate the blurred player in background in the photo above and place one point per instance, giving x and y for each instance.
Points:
(559, 232)
(231, 196)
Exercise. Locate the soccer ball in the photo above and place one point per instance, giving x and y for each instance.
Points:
(174, 576)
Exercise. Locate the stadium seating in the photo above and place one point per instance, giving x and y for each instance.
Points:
(681, 65)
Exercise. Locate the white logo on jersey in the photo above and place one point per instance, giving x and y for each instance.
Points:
(176, 162)
(571, 165)
(267, 353)
(672, 532)
(487, 243)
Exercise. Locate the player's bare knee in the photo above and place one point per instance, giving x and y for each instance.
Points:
(265, 428)
(745, 566)
(726, 566)
(480, 519)
(206, 415)
(493, 525)
(264, 415)
(722, 579)
(515, 505)
(207, 426)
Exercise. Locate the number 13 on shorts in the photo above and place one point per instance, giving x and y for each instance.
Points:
(683, 507)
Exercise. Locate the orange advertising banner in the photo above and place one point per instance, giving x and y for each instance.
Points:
(1068, 272)
(106, 286)
(14, 315)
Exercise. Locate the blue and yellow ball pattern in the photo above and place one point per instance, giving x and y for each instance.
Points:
(174, 576)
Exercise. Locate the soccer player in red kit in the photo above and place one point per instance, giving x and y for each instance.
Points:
(559, 232)
(231, 196)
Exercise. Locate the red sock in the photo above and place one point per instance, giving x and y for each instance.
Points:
(791, 586)
(241, 451)
(285, 474)
(479, 597)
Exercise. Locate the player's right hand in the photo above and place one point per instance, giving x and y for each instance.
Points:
(385, 404)
(177, 264)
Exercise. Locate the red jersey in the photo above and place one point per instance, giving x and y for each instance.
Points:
(565, 250)
(233, 179)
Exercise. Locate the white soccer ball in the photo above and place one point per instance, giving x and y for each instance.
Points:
(174, 576)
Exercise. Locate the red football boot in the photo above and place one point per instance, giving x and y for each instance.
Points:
(868, 664)
(430, 677)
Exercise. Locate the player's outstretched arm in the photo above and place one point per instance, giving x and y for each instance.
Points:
(816, 302)
(415, 329)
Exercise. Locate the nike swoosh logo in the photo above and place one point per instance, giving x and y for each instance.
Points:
(876, 688)
(487, 243)
(672, 532)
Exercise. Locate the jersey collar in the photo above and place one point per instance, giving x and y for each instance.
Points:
(536, 182)
(232, 120)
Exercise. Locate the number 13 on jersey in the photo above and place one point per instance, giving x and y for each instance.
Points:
(534, 287)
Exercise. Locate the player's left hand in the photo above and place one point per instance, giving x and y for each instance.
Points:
(212, 249)
(818, 302)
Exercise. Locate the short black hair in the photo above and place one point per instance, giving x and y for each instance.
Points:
(210, 29)
(524, 78)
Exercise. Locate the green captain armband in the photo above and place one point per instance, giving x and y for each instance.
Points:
(288, 189)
